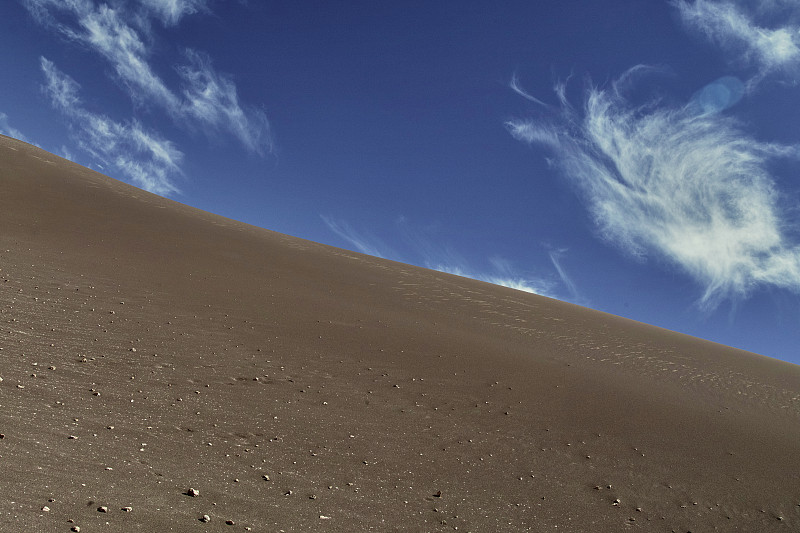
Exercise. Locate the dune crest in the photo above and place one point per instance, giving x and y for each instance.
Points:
(166, 369)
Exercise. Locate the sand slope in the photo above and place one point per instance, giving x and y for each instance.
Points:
(149, 348)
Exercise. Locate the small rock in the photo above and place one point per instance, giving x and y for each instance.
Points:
(102, 509)
(46, 509)
(265, 477)
(323, 517)
(193, 492)
(205, 518)
(76, 529)
(230, 522)
(127, 509)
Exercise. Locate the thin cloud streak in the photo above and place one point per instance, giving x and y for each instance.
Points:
(738, 32)
(690, 187)
(355, 239)
(533, 286)
(207, 100)
(147, 160)
(442, 259)
(170, 12)
(555, 258)
(9, 131)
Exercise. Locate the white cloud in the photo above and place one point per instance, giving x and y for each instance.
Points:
(443, 259)
(769, 48)
(106, 31)
(690, 187)
(555, 258)
(505, 278)
(9, 131)
(171, 11)
(207, 100)
(143, 157)
(211, 99)
(359, 242)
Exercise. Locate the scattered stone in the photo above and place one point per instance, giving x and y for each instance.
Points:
(76, 529)
(323, 517)
(205, 518)
(230, 522)
(437, 494)
(616, 502)
(193, 492)
(46, 509)
(72, 437)
(127, 509)
(265, 477)
(102, 509)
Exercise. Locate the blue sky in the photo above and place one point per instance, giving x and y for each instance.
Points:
(636, 157)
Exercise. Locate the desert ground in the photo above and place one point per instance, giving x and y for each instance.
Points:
(167, 369)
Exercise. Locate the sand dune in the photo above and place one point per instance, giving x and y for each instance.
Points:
(149, 348)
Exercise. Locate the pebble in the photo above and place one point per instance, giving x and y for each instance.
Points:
(46, 509)
(193, 492)
(205, 518)
(127, 509)
(76, 529)
(102, 509)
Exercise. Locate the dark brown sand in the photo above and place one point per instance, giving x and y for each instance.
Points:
(149, 348)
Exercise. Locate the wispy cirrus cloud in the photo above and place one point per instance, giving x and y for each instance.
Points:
(9, 131)
(211, 98)
(683, 183)
(121, 35)
(505, 274)
(141, 156)
(366, 245)
(444, 259)
(171, 11)
(764, 35)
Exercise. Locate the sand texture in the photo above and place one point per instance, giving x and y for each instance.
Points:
(166, 369)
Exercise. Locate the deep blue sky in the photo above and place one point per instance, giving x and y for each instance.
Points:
(636, 157)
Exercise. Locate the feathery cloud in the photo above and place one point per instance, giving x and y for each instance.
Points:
(207, 100)
(171, 11)
(9, 131)
(359, 242)
(769, 47)
(143, 157)
(211, 98)
(444, 259)
(688, 186)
